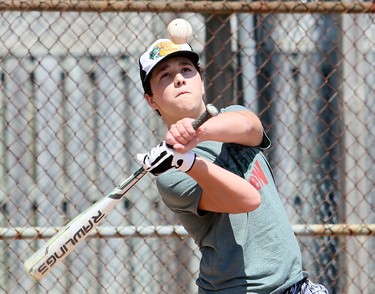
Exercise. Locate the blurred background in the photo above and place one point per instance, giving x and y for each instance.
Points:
(73, 118)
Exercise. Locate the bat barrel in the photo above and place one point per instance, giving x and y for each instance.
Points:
(68, 238)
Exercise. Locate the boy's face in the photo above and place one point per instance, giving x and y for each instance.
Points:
(177, 89)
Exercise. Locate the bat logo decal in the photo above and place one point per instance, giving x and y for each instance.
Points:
(79, 234)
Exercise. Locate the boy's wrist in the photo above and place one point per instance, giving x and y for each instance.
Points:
(186, 162)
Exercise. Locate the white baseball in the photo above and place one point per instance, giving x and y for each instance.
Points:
(180, 31)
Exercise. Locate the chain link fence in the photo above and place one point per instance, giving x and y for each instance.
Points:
(73, 117)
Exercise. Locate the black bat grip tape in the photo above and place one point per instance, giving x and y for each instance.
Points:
(210, 112)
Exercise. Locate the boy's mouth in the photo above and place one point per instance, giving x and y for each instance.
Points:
(182, 93)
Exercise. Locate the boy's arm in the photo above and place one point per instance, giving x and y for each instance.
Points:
(241, 127)
(223, 191)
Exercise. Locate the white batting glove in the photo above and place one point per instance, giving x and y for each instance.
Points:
(162, 158)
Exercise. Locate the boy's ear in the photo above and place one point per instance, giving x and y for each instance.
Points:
(151, 101)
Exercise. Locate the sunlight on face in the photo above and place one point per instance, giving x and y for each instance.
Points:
(177, 89)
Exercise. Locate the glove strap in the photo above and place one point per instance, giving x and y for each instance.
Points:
(187, 162)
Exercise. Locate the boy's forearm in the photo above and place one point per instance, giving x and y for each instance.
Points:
(223, 191)
(242, 127)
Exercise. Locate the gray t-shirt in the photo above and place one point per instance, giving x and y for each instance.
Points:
(255, 252)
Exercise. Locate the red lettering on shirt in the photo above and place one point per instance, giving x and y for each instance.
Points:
(257, 178)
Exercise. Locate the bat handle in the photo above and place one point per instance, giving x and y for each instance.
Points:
(211, 111)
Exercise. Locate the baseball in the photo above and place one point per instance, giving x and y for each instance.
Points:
(180, 31)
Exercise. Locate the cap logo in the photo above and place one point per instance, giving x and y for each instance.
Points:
(163, 49)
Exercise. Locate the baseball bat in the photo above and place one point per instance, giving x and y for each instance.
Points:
(68, 237)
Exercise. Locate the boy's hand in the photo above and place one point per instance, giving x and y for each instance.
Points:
(182, 135)
(162, 158)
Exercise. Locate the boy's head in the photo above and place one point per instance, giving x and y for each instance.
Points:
(161, 50)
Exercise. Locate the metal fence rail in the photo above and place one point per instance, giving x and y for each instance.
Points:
(73, 117)
(219, 7)
(24, 233)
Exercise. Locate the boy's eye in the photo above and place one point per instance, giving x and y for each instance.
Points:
(167, 73)
(163, 75)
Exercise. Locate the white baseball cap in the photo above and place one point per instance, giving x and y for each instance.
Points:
(160, 50)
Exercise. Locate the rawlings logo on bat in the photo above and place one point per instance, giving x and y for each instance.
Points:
(81, 232)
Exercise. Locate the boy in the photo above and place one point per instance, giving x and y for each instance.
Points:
(218, 182)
